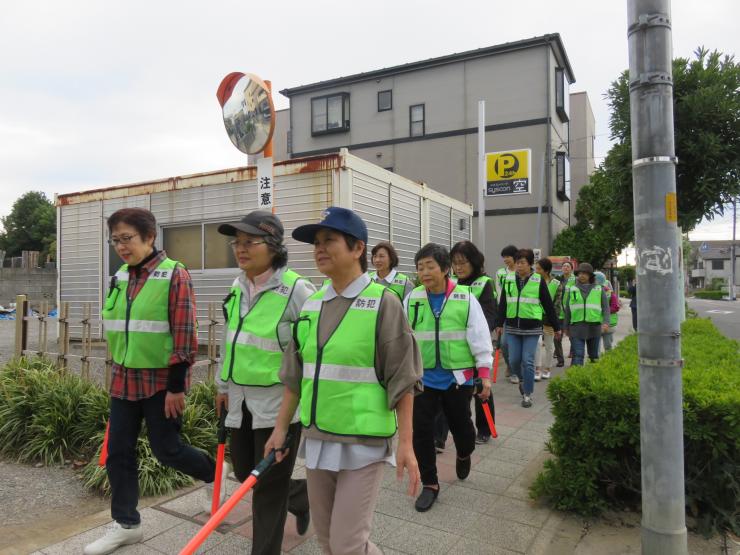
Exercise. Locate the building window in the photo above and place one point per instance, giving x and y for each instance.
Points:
(562, 96)
(198, 246)
(330, 114)
(416, 121)
(385, 101)
(562, 175)
(289, 142)
(718, 264)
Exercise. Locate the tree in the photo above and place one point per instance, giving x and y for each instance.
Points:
(706, 98)
(30, 226)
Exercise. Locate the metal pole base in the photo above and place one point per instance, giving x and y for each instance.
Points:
(665, 542)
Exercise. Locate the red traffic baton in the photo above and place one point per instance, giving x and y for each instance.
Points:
(104, 449)
(495, 364)
(478, 383)
(220, 455)
(263, 466)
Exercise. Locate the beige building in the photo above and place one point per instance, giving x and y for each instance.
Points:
(420, 120)
(582, 137)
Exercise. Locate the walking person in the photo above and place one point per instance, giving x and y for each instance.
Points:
(354, 365)
(568, 280)
(608, 336)
(546, 348)
(385, 260)
(150, 323)
(260, 309)
(586, 314)
(524, 303)
(469, 266)
(507, 255)
(455, 344)
(633, 303)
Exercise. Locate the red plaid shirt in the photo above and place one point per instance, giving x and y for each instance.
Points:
(141, 383)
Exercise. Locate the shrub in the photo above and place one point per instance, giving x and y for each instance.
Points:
(709, 294)
(596, 434)
(49, 417)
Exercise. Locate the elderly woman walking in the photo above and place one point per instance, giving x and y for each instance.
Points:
(586, 314)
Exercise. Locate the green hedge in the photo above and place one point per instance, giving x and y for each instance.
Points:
(49, 417)
(596, 435)
(708, 294)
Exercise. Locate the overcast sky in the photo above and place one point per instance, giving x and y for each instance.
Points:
(95, 94)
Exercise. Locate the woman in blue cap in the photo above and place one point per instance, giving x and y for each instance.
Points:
(354, 366)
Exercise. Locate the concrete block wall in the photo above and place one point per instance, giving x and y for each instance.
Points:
(39, 284)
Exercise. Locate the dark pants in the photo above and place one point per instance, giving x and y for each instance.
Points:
(455, 403)
(481, 423)
(559, 346)
(634, 317)
(581, 345)
(441, 429)
(164, 439)
(276, 493)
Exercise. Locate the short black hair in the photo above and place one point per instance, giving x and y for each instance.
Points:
(392, 254)
(545, 264)
(351, 242)
(527, 254)
(509, 250)
(471, 253)
(439, 253)
(141, 219)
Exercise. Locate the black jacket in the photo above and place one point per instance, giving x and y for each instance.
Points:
(529, 323)
(487, 300)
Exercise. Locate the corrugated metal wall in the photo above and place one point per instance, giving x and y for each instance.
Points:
(406, 218)
(461, 226)
(80, 258)
(439, 224)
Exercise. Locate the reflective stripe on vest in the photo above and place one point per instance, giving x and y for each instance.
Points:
(570, 282)
(340, 392)
(442, 339)
(588, 309)
(524, 303)
(398, 285)
(254, 352)
(138, 330)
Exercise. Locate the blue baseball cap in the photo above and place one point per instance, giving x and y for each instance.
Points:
(336, 218)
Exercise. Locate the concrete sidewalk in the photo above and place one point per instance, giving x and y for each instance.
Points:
(488, 513)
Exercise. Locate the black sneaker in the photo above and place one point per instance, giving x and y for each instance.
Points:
(561, 363)
(481, 439)
(301, 522)
(426, 499)
(462, 467)
(439, 446)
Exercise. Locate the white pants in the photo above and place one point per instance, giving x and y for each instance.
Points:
(545, 349)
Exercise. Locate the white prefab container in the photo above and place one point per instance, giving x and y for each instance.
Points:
(189, 209)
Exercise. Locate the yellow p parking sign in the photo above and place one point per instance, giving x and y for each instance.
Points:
(508, 172)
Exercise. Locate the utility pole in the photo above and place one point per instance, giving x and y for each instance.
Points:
(482, 176)
(732, 249)
(657, 264)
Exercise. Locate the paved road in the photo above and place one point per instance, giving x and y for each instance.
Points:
(724, 314)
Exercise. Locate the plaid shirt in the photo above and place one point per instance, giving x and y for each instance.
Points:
(141, 383)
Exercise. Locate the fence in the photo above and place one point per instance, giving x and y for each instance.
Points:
(64, 356)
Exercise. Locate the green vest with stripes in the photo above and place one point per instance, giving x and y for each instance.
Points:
(524, 303)
(254, 351)
(476, 288)
(138, 330)
(340, 391)
(442, 339)
(585, 310)
(570, 282)
(398, 285)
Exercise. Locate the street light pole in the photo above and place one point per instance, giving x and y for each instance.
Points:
(732, 249)
(657, 264)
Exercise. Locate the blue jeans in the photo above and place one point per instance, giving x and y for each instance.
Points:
(579, 348)
(164, 439)
(522, 349)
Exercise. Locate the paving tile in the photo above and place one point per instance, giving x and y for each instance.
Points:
(537, 426)
(309, 547)
(511, 455)
(137, 549)
(413, 538)
(523, 445)
(500, 468)
(467, 498)
(469, 546)
(393, 503)
(502, 533)
(502, 430)
(446, 473)
(548, 542)
(240, 513)
(390, 482)
(485, 482)
(291, 539)
(450, 456)
(384, 526)
(189, 504)
(174, 539)
(75, 544)
(155, 522)
(234, 544)
(524, 512)
(447, 518)
(519, 489)
(530, 435)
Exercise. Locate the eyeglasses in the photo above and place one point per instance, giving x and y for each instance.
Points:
(245, 244)
(122, 240)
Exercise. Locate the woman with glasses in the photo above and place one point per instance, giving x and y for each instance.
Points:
(150, 324)
(264, 302)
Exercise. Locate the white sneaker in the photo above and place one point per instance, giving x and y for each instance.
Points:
(207, 500)
(546, 375)
(114, 538)
(514, 378)
(537, 375)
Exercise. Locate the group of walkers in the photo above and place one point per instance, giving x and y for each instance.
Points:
(370, 369)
